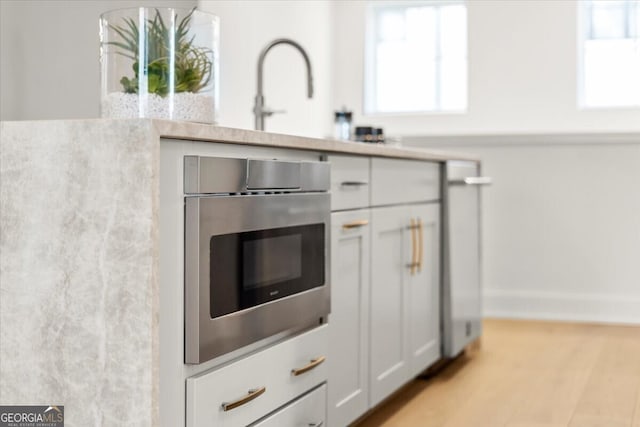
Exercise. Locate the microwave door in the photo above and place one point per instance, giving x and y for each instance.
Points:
(255, 265)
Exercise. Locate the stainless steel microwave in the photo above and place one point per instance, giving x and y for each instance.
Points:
(256, 251)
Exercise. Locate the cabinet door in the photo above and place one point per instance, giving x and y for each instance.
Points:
(391, 252)
(405, 300)
(424, 289)
(349, 318)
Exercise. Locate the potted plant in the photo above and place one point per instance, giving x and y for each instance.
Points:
(159, 63)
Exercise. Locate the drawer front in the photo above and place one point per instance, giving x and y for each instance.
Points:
(307, 411)
(271, 369)
(350, 186)
(404, 181)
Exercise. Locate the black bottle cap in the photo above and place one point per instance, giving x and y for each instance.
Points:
(364, 130)
(344, 115)
(366, 134)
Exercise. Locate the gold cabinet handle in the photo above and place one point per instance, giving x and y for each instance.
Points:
(414, 249)
(420, 245)
(313, 364)
(251, 394)
(355, 224)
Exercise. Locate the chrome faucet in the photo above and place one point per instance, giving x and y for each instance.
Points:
(259, 110)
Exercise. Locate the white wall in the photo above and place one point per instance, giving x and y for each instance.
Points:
(49, 56)
(522, 73)
(561, 225)
(246, 27)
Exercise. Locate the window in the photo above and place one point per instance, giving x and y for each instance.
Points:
(610, 75)
(416, 57)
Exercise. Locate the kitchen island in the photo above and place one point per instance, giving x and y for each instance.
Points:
(91, 312)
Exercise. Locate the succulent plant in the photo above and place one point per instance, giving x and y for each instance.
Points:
(193, 65)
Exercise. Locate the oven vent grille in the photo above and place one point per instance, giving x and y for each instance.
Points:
(231, 176)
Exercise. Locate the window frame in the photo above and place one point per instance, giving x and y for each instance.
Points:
(629, 9)
(585, 33)
(370, 57)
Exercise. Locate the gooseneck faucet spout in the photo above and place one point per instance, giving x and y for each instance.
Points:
(259, 110)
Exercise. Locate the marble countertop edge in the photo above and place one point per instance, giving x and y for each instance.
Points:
(220, 134)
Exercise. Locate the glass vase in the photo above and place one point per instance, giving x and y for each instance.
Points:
(159, 63)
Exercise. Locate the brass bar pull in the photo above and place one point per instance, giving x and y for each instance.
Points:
(252, 394)
(313, 364)
(320, 424)
(420, 245)
(355, 224)
(413, 264)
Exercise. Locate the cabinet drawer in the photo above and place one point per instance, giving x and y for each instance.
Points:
(271, 369)
(403, 181)
(309, 410)
(349, 182)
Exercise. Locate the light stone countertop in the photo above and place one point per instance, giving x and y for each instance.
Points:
(79, 293)
(203, 132)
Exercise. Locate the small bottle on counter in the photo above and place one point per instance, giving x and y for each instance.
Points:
(369, 134)
(364, 134)
(342, 124)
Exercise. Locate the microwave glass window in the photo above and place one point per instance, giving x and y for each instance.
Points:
(271, 260)
(254, 267)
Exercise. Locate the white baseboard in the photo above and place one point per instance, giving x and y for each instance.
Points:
(600, 308)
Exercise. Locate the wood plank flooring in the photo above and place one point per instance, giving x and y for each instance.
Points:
(529, 374)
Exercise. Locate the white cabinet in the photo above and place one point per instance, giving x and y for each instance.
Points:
(391, 252)
(246, 390)
(384, 326)
(350, 187)
(424, 291)
(307, 411)
(404, 295)
(395, 181)
(349, 319)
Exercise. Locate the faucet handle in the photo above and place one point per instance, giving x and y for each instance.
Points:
(267, 112)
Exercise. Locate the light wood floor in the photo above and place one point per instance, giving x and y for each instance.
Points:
(529, 374)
